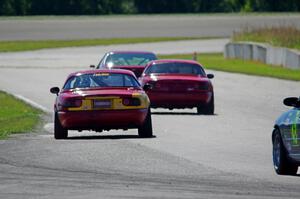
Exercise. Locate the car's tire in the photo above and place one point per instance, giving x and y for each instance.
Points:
(207, 109)
(281, 162)
(146, 129)
(59, 131)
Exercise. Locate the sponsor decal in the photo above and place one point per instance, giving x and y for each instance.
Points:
(294, 131)
(101, 74)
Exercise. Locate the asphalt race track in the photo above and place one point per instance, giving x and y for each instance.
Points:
(227, 155)
(37, 28)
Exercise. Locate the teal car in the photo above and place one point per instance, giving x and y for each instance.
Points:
(286, 139)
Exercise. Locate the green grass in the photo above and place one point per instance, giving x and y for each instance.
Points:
(16, 116)
(216, 61)
(12, 46)
(284, 36)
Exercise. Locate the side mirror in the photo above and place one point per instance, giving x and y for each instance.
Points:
(54, 90)
(92, 66)
(210, 76)
(147, 87)
(291, 101)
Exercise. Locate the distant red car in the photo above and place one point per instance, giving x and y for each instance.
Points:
(179, 84)
(129, 60)
(101, 100)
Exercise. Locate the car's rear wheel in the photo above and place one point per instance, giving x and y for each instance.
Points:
(146, 129)
(282, 165)
(207, 109)
(59, 131)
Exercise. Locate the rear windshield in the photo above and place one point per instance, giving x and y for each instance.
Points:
(101, 80)
(123, 59)
(175, 68)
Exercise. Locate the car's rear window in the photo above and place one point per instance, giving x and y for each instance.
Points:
(175, 68)
(123, 59)
(101, 80)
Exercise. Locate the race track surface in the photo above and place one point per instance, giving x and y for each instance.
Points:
(226, 155)
(41, 28)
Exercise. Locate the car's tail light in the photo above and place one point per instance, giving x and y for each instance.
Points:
(72, 103)
(151, 84)
(131, 102)
(69, 103)
(204, 86)
(158, 85)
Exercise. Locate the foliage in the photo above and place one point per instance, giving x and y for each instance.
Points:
(285, 36)
(97, 7)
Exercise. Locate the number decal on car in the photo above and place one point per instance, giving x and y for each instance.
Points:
(294, 132)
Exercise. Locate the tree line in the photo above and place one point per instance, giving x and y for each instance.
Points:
(103, 7)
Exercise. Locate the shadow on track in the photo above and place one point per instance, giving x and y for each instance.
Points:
(180, 113)
(108, 137)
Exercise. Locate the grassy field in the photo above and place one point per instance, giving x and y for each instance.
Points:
(12, 46)
(216, 61)
(16, 116)
(285, 36)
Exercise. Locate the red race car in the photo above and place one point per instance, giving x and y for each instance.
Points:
(129, 60)
(179, 84)
(101, 100)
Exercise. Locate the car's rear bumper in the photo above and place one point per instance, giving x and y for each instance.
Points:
(102, 119)
(179, 100)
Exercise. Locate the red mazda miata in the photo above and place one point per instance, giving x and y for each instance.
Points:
(179, 84)
(101, 100)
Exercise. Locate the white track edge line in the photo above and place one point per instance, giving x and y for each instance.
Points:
(32, 103)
